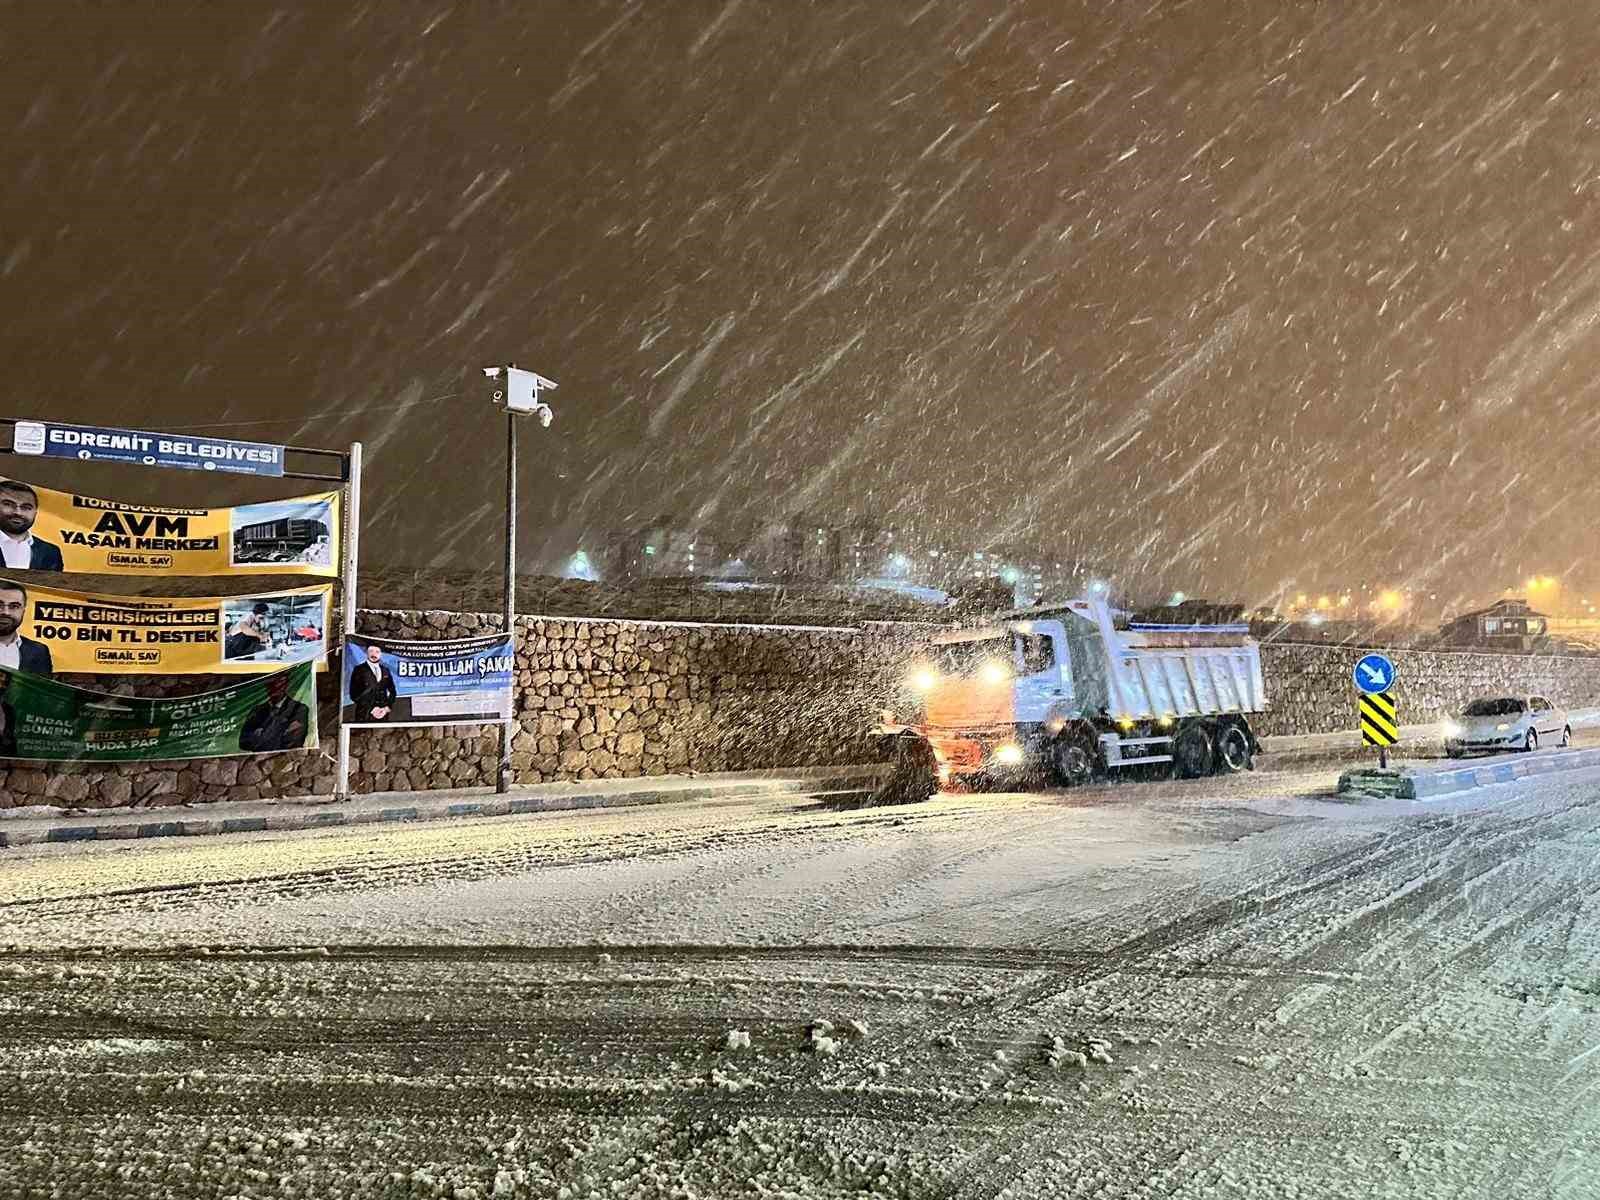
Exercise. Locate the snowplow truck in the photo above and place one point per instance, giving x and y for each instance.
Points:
(1062, 693)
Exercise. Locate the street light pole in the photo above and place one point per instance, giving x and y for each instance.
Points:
(507, 730)
(519, 392)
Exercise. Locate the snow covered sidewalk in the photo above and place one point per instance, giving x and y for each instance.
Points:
(42, 823)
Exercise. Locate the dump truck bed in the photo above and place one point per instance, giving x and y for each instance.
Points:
(1147, 671)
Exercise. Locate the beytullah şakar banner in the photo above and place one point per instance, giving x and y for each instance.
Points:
(45, 631)
(458, 681)
(46, 530)
(46, 721)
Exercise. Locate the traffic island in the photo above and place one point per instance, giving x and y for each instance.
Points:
(1386, 783)
(1425, 783)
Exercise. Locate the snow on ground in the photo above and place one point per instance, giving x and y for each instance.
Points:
(1234, 987)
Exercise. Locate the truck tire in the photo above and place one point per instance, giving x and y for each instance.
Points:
(1071, 761)
(1233, 750)
(1193, 752)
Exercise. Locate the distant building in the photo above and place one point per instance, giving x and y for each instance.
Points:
(807, 548)
(661, 549)
(770, 552)
(1505, 625)
(866, 550)
(818, 550)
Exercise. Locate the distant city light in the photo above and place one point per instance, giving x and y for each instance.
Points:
(579, 567)
(1390, 601)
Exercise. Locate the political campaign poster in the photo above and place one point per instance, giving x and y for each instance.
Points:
(460, 681)
(47, 631)
(45, 720)
(45, 530)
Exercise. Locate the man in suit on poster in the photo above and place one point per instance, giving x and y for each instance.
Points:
(8, 719)
(277, 723)
(18, 652)
(19, 548)
(372, 691)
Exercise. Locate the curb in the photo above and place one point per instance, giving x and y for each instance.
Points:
(1411, 784)
(490, 806)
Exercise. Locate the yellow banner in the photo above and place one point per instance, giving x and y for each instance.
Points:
(46, 530)
(44, 631)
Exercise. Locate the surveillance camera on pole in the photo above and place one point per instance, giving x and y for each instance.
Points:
(518, 393)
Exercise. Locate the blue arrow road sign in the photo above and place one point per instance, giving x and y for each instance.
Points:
(1374, 673)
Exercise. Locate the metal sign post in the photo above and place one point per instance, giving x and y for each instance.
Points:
(519, 393)
(1374, 675)
(348, 584)
(502, 778)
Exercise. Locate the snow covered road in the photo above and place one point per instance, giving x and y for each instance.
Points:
(1227, 988)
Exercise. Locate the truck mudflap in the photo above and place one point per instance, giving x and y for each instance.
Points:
(915, 775)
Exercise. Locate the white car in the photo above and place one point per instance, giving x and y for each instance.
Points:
(1506, 723)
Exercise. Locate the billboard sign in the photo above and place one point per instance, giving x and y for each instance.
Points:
(92, 443)
(45, 530)
(459, 681)
(60, 631)
(43, 720)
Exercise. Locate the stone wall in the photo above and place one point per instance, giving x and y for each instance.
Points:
(1310, 690)
(595, 699)
(609, 699)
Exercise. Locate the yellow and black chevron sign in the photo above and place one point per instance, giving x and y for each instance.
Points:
(1379, 726)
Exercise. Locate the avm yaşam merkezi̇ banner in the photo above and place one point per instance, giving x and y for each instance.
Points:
(45, 530)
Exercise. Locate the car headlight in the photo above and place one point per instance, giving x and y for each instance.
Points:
(1453, 729)
(922, 679)
(993, 673)
(1502, 727)
(1008, 754)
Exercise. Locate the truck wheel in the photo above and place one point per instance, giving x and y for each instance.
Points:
(1193, 752)
(1071, 762)
(1233, 750)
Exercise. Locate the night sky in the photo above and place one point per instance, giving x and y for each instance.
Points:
(1220, 296)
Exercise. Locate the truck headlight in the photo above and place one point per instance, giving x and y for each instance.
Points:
(1453, 729)
(1008, 754)
(1502, 727)
(993, 672)
(922, 679)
